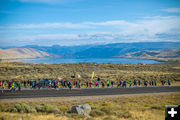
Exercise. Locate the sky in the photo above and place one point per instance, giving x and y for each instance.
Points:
(80, 22)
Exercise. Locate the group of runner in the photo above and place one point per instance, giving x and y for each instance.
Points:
(12, 85)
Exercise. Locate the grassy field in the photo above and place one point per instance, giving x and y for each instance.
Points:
(130, 107)
(113, 72)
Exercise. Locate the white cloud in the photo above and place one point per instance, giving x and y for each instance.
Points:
(157, 28)
(172, 10)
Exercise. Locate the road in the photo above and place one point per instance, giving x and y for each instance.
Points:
(28, 93)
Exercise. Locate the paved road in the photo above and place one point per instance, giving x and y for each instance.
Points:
(25, 93)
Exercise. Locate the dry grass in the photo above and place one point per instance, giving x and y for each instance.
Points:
(130, 107)
(113, 72)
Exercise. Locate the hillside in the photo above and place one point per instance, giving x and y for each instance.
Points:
(106, 50)
(22, 53)
(167, 54)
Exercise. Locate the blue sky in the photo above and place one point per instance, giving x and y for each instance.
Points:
(77, 22)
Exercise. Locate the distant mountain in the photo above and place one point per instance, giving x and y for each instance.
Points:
(105, 50)
(117, 49)
(22, 53)
(63, 51)
(164, 55)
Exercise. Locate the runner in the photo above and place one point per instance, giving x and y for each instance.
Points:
(155, 83)
(145, 83)
(58, 84)
(49, 85)
(24, 83)
(3, 86)
(152, 83)
(119, 83)
(0, 83)
(130, 83)
(70, 85)
(87, 84)
(74, 82)
(103, 84)
(124, 83)
(139, 82)
(55, 84)
(79, 84)
(96, 83)
(169, 82)
(19, 86)
(90, 84)
(107, 83)
(112, 83)
(13, 87)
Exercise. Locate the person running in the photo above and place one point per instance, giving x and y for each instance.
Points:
(152, 83)
(162, 82)
(24, 83)
(134, 82)
(103, 84)
(108, 83)
(119, 83)
(112, 83)
(145, 83)
(96, 83)
(70, 85)
(19, 86)
(9, 84)
(139, 82)
(130, 83)
(169, 82)
(74, 82)
(13, 87)
(49, 84)
(3, 86)
(155, 83)
(0, 83)
(90, 84)
(87, 84)
(64, 85)
(79, 84)
(124, 83)
(58, 84)
(55, 84)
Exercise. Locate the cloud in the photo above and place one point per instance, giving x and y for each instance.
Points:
(156, 28)
(172, 10)
(47, 25)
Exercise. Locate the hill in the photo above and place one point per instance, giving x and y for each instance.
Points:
(105, 50)
(22, 53)
(166, 54)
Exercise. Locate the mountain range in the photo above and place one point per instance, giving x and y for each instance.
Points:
(132, 50)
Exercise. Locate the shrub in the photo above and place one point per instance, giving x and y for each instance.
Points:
(63, 108)
(96, 113)
(50, 109)
(19, 108)
(2, 108)
(39, 108)
(12, 109)
(125, 114)
(106, 104)
(93, 107)
(106, 110)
